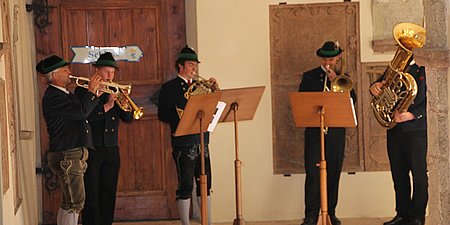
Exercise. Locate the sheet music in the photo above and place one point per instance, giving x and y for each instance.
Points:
(353, 110)
(219, 110)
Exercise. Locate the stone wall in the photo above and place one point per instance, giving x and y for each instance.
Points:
(435, 56)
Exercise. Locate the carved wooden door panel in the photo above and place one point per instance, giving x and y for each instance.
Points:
(147, 179)
(296, 32)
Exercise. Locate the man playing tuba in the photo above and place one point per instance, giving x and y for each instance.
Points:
(407, 152)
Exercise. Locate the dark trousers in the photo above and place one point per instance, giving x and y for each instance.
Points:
(334, 155)
(101, 185)
(188, 163)
(407, 153)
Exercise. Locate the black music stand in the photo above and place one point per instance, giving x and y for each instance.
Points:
(308, 109)
(244, 100)
(199, 108)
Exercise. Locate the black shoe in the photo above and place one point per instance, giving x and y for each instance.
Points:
(309, 221)
(335, 220)
(416, 222)
(397, 220)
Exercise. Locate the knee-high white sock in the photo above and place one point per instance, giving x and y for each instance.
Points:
(59, 217)
(208, 207)
(67, 217)
(183, 209)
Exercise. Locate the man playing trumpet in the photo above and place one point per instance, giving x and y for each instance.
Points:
(104, 162)
(69, 134)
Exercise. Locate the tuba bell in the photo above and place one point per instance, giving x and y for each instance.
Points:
(400, 88)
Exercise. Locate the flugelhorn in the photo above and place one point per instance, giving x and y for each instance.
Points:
(124, 101)
(122, 92)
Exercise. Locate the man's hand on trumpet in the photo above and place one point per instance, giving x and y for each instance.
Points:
(110, 103)
(94, 83)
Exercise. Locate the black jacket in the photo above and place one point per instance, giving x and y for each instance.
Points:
(104, 125)
(313, 80)
(170, 98)
(419, 106)
(66, 118)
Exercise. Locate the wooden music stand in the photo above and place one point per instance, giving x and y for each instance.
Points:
(199, 108)
(245, 100)
(308, 109)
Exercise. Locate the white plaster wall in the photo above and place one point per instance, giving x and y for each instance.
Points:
(23, 56)
(232, 39)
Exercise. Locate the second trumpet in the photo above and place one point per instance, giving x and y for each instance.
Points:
(122, 92)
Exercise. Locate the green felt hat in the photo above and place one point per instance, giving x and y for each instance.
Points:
(106, 59)
(329, 49)
(50, 64)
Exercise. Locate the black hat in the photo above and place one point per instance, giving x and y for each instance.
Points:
(106, 59)
(50, 64)
(188, 54)
(329, 49)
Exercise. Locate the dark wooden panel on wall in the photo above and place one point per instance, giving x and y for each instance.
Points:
(375, 157)
(296, 32)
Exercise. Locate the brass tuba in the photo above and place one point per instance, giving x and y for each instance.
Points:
(400, 88)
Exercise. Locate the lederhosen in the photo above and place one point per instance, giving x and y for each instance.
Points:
(185, 149)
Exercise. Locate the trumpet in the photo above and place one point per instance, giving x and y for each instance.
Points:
(120, 90)
(106, 87)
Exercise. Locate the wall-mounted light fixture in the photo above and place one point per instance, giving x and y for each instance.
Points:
(40, 9)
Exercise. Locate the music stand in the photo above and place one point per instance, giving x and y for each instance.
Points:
(308, 109)
(245, 100)
(199, 108)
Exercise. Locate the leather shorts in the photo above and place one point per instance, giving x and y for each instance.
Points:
(70, 166)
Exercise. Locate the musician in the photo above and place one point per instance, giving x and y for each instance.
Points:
(319, 79)
(407, 152)
(185, 149)
(69, 134)
(104, 162)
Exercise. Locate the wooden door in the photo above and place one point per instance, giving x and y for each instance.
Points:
(147, 179)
